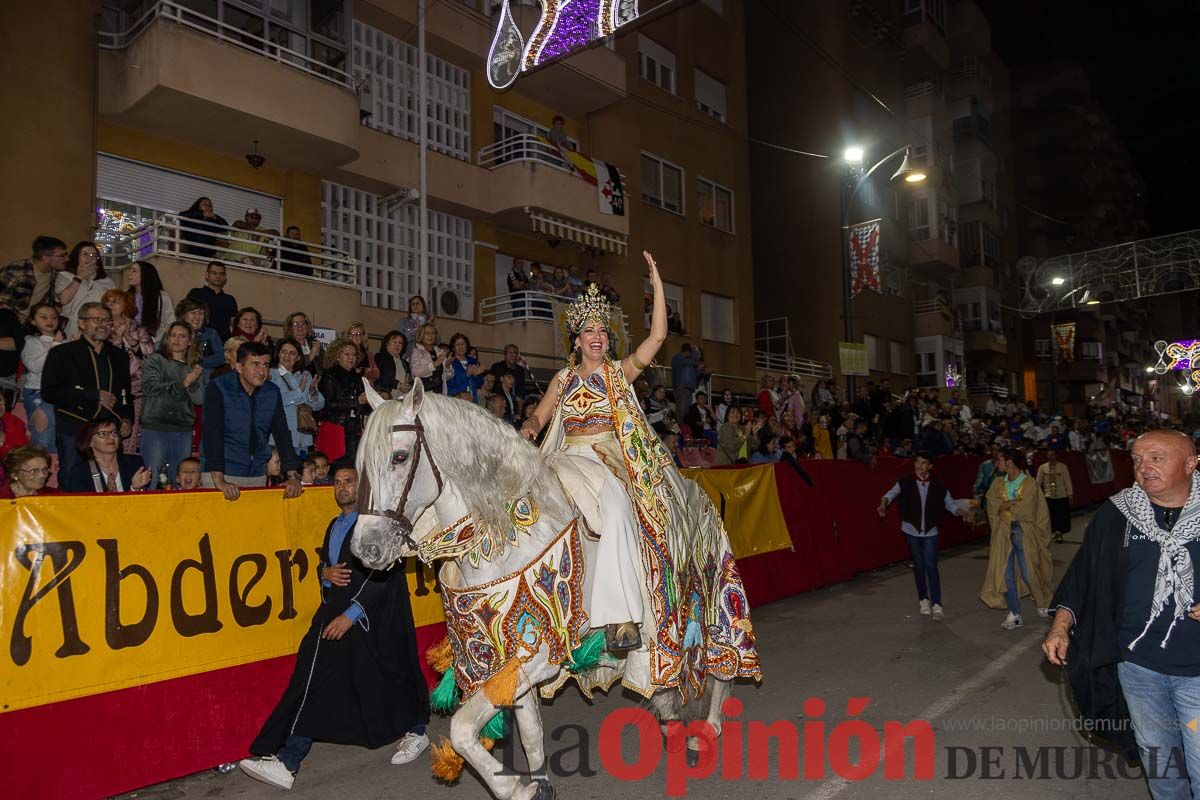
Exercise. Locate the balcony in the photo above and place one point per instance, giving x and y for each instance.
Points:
(972, 76)
(184, 75)
(933, 318)
(934, 257)
(528, 172)
(986, 341)
(791, 365)
(169, 236)
(924, 39)
(925, 99)
(526, 307)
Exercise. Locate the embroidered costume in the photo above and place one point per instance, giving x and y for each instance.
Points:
(663, 550)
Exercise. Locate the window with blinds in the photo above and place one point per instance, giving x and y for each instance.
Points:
(123, 182)
(710, 95)
(716, 317)
(656, 64)
(662, 183)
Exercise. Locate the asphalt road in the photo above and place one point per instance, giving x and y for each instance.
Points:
(1000, 723)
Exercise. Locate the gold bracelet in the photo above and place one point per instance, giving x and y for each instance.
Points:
(637, 363)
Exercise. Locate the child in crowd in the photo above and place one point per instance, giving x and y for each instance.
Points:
(321, 463)
(187, 474)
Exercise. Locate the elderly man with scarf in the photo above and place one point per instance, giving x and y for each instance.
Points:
(1126, 618)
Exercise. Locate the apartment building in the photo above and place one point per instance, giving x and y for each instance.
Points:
(1081, 193)
(309, 111)
(883, 76)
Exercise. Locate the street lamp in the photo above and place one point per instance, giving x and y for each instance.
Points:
(854, 158)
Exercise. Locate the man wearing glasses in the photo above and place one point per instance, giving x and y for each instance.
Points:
(87, 380)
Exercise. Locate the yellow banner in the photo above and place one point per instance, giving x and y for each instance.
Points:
(104, 592)
(748, 502)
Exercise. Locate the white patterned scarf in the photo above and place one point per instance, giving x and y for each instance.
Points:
(1175, 579)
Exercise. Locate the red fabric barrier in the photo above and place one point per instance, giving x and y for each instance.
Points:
(109, 743)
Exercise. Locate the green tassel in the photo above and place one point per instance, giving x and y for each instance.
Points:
(587, 655)
(496, 728)
(444, 698)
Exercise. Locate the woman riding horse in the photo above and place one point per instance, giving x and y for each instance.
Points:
(593, 413)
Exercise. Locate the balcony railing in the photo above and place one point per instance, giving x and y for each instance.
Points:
(791, 365)
(224, 32)
(529, 307)
(525, 147)
(173, 237)
(922, 89)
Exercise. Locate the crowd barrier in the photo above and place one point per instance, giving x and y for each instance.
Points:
(148, 637)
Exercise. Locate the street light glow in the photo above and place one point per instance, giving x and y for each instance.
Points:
(1149, 369)
(853, 154)
(1058, 281)
(1092, 302)
(915, 177)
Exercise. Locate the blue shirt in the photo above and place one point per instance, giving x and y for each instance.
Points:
(337, 537)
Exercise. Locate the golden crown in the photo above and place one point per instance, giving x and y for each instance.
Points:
(591, 306)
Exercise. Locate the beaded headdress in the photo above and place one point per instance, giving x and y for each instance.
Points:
(591, 306)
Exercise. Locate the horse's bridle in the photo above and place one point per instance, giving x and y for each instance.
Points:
(396, 514)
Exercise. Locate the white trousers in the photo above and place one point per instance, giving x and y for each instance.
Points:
(617, 583)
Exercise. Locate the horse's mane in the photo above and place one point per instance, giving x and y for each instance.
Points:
(484, 457)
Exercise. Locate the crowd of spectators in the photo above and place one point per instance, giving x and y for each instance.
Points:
(125, 389)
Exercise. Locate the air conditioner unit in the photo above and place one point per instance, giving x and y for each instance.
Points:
(454, 303)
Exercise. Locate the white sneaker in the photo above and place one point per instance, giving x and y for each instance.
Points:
(1043, 612)
(268, 769)
(925, 608)
(937, 612)
(409, 747)
(1011, 622)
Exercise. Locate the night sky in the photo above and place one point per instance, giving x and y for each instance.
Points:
(1143, 59)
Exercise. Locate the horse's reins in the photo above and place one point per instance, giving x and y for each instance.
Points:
(397, 515)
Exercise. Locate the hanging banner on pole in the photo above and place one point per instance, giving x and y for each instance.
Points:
(1064, 340)
(864, 257)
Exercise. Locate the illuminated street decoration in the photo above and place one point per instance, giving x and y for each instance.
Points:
(564, 27)
(1181, 355)
(953, 376)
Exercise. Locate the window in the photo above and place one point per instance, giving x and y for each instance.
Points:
(927, 369)
(710, 95)
(874, 360)
(988, 191)
(948, 222)
(673, 294)
(391, 66)
(918, 218)
(656, 64)
(1041, 349)
(716, 205)
(662, 183)
(385, 242)
(896, 351)
(716, 317)
(1091, 350)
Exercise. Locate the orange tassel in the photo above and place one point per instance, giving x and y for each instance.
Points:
(501, 688)
(447, 765)
(487, 743)
(440, 656)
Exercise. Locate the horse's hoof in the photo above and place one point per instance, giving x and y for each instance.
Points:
(544, 790)
(693, 757)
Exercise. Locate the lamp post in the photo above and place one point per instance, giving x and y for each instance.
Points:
(854, 179)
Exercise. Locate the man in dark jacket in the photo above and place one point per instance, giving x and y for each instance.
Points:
(87, 380)
(1125, 615)
(243, 411)
(358, 677)
(513, 364)
(923, 502)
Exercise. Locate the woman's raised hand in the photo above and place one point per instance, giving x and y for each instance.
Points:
(655, 279)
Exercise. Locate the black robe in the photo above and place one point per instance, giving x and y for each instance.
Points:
(364, 689)
(1093, 589)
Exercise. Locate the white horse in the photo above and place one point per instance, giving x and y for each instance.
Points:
(445, 480)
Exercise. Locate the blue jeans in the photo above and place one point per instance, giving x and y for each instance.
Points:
(1159, 706)
(165, 447)
(1016, 559)
(32, 398)
(294, 749)
(68, 456)
(924, 558)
